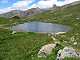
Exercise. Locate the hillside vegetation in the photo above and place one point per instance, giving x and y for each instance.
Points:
(25, 45)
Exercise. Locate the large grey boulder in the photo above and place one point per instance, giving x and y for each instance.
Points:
(67, 52)
(46, 50)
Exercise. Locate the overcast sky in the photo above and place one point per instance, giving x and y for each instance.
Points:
(8, 5)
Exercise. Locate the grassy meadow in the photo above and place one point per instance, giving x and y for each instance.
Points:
(25, 45)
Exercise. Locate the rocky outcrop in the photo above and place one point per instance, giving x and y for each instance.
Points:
(33, 11)
(67, 52)
(46, 50)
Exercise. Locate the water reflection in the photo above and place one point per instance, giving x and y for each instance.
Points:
(40, 27)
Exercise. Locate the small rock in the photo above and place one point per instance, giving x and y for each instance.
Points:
(77, 18)
(65, 41)
(13, 32)
(53, 38)
(77, 34)
(46, 50)
(52, 33)
(75, 43)
(49, 34)
(57, 42)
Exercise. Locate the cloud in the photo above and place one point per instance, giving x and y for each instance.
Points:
(44, 4)
(24, 4)
(60, 3)
(50, 3)
(70, 1)
(21, 5)
(5, 10)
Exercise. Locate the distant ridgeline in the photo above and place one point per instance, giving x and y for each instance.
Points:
(71, 4)
(33, 11)
(19, 13)
(55, 7)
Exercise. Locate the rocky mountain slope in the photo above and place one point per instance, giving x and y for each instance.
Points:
(20, 13)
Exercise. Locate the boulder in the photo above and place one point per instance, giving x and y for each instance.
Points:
(46, 50)
(67, 52)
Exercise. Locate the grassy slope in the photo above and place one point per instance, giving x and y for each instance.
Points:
(63, 16)
(20, 46)
(24, 46)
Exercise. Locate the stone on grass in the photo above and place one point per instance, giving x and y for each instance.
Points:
(46, 50)
(75, 43)
(67, 52)
(77, 18)
(57, 42)
(49, 34)
(13, 32)
(53, 38)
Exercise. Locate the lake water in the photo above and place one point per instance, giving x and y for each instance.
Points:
(40, 27)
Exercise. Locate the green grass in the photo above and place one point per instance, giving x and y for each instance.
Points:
(25, 45)
(21, 46)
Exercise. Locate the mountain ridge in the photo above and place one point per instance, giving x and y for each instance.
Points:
(34, 11)
(20, 13)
